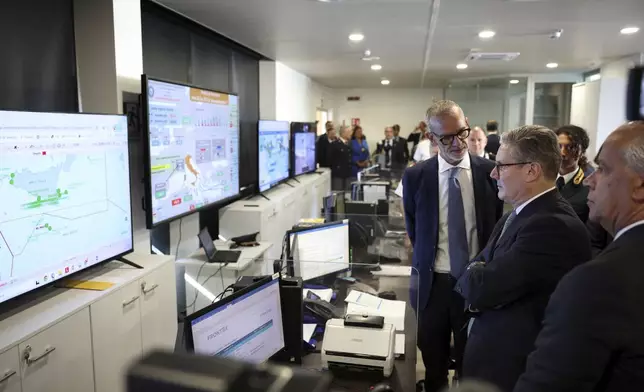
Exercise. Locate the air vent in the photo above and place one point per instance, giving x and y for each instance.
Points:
(482, 56)
(353, 98)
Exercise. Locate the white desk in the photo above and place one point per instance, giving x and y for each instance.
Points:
(206, 280)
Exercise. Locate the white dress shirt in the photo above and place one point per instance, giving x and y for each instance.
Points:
(569, 176)
(399, 189)
(442, 263)
(423, 151)
(525, 203)
(627, 228)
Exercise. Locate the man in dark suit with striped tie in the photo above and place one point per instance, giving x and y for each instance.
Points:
(450, 211)
(508, 285)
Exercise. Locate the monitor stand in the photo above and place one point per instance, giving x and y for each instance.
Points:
(264, 196)
(318, 172)
(292, 186)
(296, 180)
(128, 262)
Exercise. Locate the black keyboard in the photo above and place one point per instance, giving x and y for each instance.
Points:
(226, 256)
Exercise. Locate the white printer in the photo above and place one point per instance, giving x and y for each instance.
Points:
(359, 347)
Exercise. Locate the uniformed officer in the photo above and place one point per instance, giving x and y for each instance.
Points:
(573, 142)
(339, 157)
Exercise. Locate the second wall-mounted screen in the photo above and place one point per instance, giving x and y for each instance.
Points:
(273, 153)
(303, 139)
(193, 141)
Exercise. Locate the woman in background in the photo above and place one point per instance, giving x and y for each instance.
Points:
(359, 151)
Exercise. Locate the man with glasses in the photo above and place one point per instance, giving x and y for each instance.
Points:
(508, 284)
(450, 208)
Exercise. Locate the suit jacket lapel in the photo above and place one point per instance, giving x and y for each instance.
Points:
(479, 183)
(430, 188)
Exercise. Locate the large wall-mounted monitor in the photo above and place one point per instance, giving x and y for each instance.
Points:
(273, 150)
(65, 191)
(303, 137)
(192, 139)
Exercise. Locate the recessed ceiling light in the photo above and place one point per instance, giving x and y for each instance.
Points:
(356, 37)
(514, 81)
(487, 34)
(371, 58)
(461, 66)
(552, 65)
(376, 67)
(629, 30)
(384, 82)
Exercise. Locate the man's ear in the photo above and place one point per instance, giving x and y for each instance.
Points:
(638, 189)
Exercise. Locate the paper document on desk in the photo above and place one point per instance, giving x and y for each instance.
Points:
(363, 299)
(393, 270)
(399, 344)
(307, 331)
(324, 294)
(392, 311)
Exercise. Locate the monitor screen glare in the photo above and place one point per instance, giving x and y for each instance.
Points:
(194, 148)
(65, 190)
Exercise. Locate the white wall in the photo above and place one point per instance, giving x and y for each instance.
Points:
(481, 105)
(584, 111)
(297, 97)
(381, 107)
(612, 96)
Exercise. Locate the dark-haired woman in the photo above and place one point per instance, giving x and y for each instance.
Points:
(359, 151)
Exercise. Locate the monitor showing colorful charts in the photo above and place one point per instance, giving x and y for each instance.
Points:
(273, 153)
(65, 191)
(193, 145)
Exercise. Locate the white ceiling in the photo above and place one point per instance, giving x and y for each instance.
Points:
(421, 41)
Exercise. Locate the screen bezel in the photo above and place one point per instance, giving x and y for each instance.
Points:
(8, 303)
(295, 130)
(259, 163)
(187, 324)
(147, 164)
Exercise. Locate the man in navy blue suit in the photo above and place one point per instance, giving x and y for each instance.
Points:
(531, 249)
(451, 207)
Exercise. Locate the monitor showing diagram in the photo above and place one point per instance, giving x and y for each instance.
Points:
(304, 152)
(193, 141)
(65, 190)
(273, 153)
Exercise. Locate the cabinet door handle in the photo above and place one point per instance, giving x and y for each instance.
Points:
(131, 301)
(148, 291)
(31, 360)
(7, 375)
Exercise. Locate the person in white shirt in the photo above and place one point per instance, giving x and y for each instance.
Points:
(477, 142)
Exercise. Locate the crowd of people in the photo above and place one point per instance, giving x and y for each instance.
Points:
(542, 298)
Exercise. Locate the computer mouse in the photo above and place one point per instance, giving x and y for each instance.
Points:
(381, 388)
(387, 295)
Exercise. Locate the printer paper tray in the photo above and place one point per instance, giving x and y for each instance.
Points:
(340, 367)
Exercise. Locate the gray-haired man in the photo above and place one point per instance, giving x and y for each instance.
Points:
(509, 283)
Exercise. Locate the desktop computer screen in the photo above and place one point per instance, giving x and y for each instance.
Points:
(273, 153)
(65, 191)
(246, 325)
(304, 151)
(192, 140)
(320, 250)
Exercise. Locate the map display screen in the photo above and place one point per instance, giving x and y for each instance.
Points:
(65, 190)
(273, 153)
(194, 149)
(304, 152)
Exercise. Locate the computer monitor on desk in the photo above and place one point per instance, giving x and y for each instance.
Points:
(246, 325)
(318, 251)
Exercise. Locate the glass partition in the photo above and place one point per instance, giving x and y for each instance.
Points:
(500, 99)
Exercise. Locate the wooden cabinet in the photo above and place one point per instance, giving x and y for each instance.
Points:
(10, 371)
(158, 319)
(59, 358)
(116, 336)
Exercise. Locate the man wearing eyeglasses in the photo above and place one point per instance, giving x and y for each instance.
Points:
(508, 284)
(450, 208)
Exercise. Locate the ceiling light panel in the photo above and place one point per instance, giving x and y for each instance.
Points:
(486, 34)
(376, 67)
(356, 37)
(461, 66)
(629, 30)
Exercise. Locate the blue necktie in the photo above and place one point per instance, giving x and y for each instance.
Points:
(459, 254)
